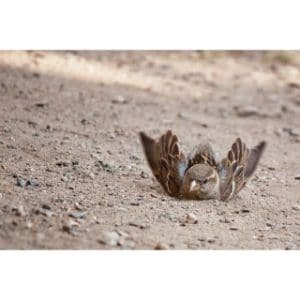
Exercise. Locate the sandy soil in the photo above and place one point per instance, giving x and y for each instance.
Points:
(72, 172)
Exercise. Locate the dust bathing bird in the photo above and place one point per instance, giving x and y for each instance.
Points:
(200, 176)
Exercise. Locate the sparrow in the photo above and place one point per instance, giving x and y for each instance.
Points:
(200, 176)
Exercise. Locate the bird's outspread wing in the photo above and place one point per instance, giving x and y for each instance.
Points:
(237, 167)
(167, 162)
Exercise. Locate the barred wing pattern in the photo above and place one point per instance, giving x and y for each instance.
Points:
(202, 154)
(237, 167)
(167, 162)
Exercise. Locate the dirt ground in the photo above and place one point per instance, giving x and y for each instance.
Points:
(72, 171)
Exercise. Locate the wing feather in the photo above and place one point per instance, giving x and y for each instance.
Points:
(166, 161)
(238, 166)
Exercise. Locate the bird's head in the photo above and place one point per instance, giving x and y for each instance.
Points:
(201, 181)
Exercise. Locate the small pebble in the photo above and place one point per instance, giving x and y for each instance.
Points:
(122, 233)
(42, 105)
(141, 226)
(233, 228)
(184, 116)
(78, 206)
(119, 100)
(259, 238)
(162, 246)
(69, 227)
(122, 209)
(21, 182)
(121, 241)
(109, 238)
(64, 178)
(246, 111)
(191, 219)
(292, 131)
(77, 214)
(32, 182)
(105, 166)
(46, 213)
(62, 164)
(294, 85)
(90, 175)
(297, 177)
(225, 220)
(128, 244)
(29, 225)
(46, 206)
(144, 175)
(135, 158)
(19, 211)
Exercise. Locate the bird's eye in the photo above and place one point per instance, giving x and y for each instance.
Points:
(205, 181)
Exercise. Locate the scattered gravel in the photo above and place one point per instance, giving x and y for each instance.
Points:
(292, 131)
(21, 182)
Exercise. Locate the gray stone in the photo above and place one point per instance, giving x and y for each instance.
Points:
(191, 219)
(77, 214)
(109, 238)
(21, 182)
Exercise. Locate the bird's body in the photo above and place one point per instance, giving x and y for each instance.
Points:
(200, 176)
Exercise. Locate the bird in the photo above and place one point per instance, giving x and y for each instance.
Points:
(200, 176)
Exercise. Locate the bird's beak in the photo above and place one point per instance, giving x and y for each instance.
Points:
(194, 186)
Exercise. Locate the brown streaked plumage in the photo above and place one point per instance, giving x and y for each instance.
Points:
(199, 176)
